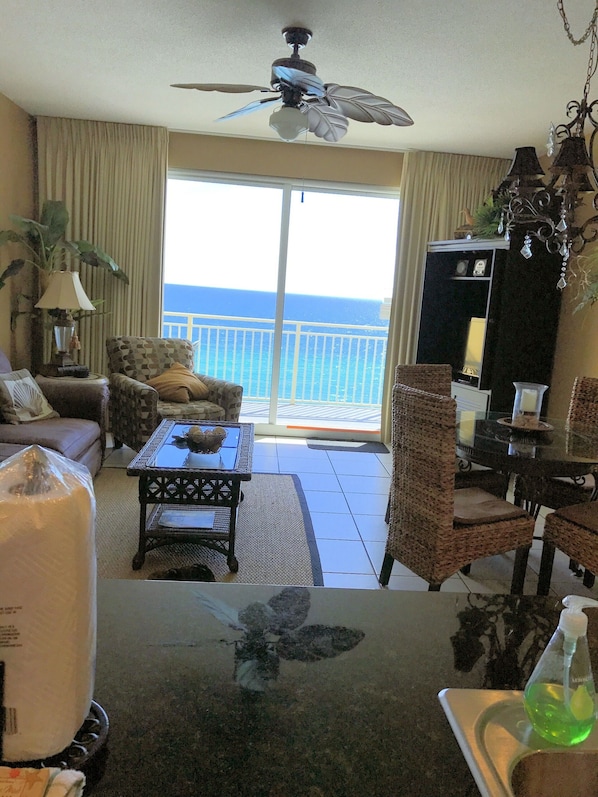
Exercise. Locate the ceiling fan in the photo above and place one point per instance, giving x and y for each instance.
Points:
(307, 103)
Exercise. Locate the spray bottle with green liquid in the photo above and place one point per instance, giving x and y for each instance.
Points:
(560, 697)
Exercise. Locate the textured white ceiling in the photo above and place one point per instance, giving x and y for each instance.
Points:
(476, 76)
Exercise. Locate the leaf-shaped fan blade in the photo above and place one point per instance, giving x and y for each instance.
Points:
(227, 615)
(309, 84)
(227, 88)
(315, 642)
(253, 106)
(325, 122)
(291, 607)
(363, 106)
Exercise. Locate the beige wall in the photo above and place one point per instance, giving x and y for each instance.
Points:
(16, 196)
(576, 352)
(281, 159)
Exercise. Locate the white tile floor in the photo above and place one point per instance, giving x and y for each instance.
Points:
(346, 493)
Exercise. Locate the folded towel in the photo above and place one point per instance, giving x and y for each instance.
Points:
(45, 782)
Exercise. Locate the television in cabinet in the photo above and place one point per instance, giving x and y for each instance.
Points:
(492, 315)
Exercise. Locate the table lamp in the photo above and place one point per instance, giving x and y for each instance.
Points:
(64, 293)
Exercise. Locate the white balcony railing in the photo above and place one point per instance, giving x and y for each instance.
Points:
(320, 362)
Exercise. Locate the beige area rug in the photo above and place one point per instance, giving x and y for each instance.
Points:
(275, 543)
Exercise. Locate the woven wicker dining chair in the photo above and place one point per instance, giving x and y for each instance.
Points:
(561, 491)
(573, 530)
(581, 417)
(431, 377)
(435, 530)
(436, 378)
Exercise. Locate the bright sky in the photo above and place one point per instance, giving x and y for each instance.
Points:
(224, 236)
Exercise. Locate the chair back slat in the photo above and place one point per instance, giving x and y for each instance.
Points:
(432, 378)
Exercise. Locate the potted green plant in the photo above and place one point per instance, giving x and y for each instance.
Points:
(47, 247)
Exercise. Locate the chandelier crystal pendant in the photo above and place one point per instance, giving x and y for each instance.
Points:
(561, 213)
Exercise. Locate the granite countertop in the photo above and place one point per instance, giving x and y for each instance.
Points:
(351, 678)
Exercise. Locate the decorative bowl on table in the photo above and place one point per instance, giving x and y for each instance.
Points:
(522, 423)
(201, 441)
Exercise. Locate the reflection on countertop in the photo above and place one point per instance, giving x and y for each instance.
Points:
(356, 715)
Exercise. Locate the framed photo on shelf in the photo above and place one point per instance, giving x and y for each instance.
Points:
(480, 267)
(461, 268)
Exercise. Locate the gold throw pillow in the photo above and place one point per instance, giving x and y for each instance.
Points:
(179, 384)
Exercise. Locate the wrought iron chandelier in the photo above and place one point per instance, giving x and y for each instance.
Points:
(548, 210)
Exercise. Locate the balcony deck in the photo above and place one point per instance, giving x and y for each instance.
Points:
(330, 375)
(316, 416)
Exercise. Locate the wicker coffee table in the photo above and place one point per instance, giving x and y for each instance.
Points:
(188, 497)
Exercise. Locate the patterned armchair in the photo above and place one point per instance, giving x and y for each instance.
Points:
(135, 408)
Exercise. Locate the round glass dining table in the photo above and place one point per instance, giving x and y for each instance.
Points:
(486, 438)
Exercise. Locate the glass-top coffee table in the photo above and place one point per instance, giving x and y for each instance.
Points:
(193, 497)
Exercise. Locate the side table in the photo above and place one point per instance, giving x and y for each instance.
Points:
(93, 379)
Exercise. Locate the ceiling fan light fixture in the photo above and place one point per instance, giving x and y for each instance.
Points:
(288, 122)
(309, 104)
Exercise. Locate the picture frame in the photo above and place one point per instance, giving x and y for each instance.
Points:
(461, 268)
(479, 267)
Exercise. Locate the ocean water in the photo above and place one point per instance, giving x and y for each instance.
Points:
(340, 364)
(261, 304)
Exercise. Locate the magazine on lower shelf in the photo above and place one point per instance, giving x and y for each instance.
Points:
(187, 519)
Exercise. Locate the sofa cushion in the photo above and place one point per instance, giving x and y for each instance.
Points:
(21, 399)
(8, 450)
(179, 384)
(5, 365)
(71, 437)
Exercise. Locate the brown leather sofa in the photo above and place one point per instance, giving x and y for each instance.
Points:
(79, 432)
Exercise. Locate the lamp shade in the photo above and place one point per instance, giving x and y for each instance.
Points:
(288, 122)
(572, 157)
(525, 163)
(65, 292)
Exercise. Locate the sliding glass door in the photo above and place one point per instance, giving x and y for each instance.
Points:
(339, 277)
(220, 277)
(285, 290)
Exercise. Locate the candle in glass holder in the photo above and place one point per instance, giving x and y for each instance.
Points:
(527, 404)
(529, 399)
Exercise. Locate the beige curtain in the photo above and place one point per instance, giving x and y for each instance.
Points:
(112, 178)
(435, 188)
